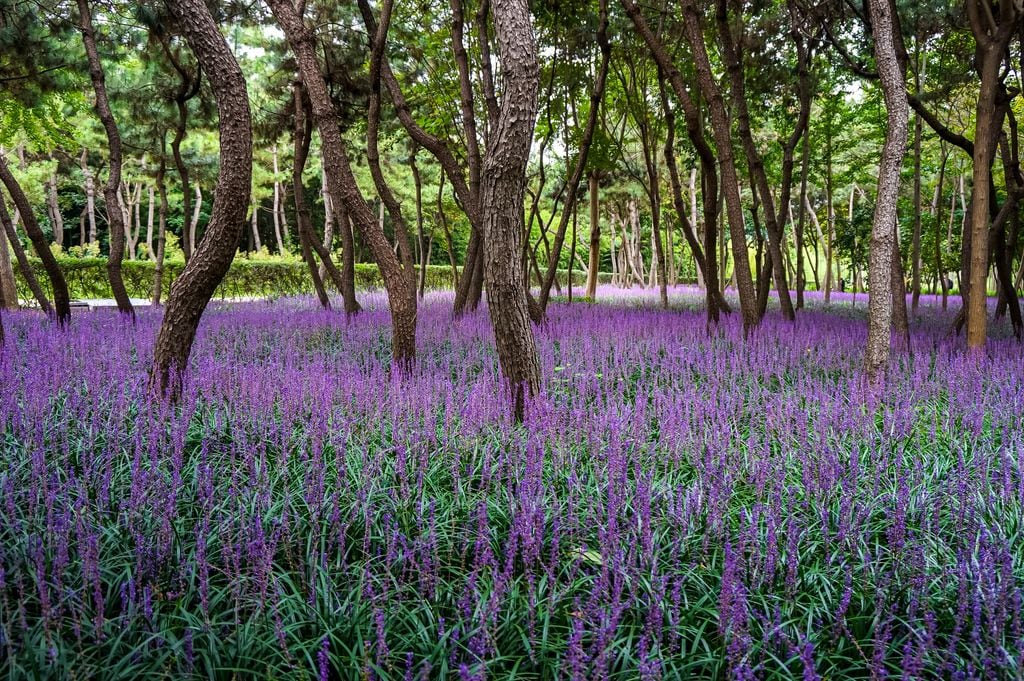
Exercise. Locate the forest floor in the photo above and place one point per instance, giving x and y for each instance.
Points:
(679, 504)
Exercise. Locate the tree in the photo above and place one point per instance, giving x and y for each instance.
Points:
(343, 188)
(115, 218)
(883, 230)
(504, 184)
(61, 298)
(992, 24)
(192, 291)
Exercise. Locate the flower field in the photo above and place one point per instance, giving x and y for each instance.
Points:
(678, 505)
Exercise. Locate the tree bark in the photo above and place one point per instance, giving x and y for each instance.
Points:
(56, 219)
(730, 181)
(302, 137)
(991, 35)
(193, 289)
(503, 187)
(594, 255)
(8, 286)
(342, 184)
(90, 196)
(572, 187)
(161, 232)
(883, 230)
(61, 299)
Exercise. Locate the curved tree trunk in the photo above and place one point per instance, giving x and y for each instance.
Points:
(192, 291)
(992, 35)
(730, 181)
(61, 298)
(8, 286)
(115, 218)
(342, 183)
(571, 188)
(11, 237)
(303, 135)
(883, 229)
(161, 232)
(503, 184)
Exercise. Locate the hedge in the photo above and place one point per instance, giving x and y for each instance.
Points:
(87, 278)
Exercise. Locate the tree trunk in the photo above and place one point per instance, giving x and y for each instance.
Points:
(61, 298)
(722, 133)
(193, 226)
(883, 230)
(277, 206)
(805, 164)
(773, 221)
(915, 250)
(149, 222)
(90, 196)
(161, 233)
(572, 187)
(992, 36)
(421, 239)
(343, 187)
(8, 286)
(56, 219)
(594, 257)
(503, 187)
(192, 291)
(302, 137)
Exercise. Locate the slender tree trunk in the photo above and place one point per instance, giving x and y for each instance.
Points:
(940, 271)
(915, 251)
(161, 232)
(61, 298)
(149, 222)
(503, 187)
(193, 226)
(594, 257)
(805, 164)
(572, 187)
(8, 286)
(992, 36)
(90, 196)
(722, 133)
(56, 219)
(342, 183)
(193, 289)
(277, 205)
(302, 137)
(883, 231)
(421, 239)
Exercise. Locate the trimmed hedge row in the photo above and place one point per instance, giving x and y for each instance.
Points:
(87, 278)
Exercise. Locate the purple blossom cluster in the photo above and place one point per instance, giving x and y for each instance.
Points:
(680, 503)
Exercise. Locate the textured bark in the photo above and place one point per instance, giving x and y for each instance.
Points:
(773, 221)
(302, 137)
(992, 35)
(24, 266)
(149, 222)
(714, 301)
(571, 188)
(594, 255)
(342, 184)
(421, 239)
(883, 230)
(193, 289)
(193, 225)
(730, 181)
(8, 288)
(61, 299)
(161, 232)
(503, 185)
(801, 279)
